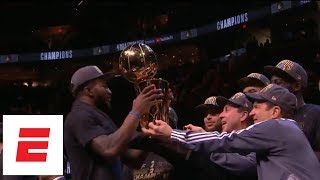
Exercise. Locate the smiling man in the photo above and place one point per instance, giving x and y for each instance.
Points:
(235, 114)
(210, 112)
(283, 151)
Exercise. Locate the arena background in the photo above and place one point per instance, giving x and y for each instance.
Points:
(202, 49)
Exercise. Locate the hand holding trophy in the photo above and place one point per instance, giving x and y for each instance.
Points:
(138, 64)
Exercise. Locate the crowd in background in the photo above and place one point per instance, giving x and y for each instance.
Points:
(191, 83)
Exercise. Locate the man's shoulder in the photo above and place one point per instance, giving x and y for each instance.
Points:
(88, 118)
(286, 122)
(313, 108)
(265, 123)
(273, 123)
(80, 111)
(76, 115)
(308, 112)
(79, 107)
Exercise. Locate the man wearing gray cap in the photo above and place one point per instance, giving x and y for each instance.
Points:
(92, 141)
(281, 148)
(234, 115)
(254, 82)
(292, 76)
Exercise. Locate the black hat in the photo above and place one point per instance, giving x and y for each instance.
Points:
(209, 104)
(254, 79)
(287, 67)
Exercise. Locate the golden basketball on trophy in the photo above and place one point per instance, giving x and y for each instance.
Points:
(138, 64)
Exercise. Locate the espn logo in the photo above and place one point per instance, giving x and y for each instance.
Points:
(23, 154)
(32, 145)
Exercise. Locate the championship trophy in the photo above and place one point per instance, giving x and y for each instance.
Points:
(138, 64)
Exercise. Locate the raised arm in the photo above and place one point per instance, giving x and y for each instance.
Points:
(255, 138)
(91, 134)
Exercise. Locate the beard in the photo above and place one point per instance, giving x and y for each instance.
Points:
(108, 106)
(103, 104)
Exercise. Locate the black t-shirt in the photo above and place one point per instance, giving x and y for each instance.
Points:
(308, 117)
(154, 167)
(83, 124)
